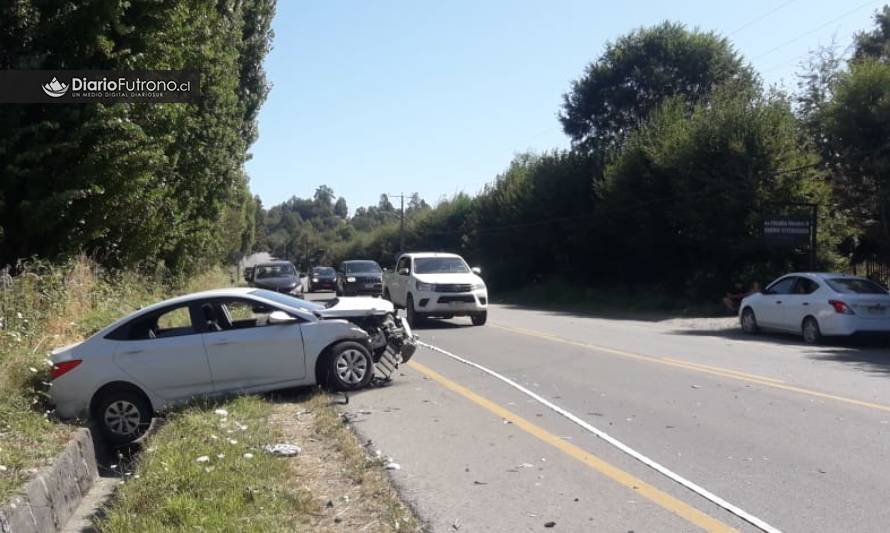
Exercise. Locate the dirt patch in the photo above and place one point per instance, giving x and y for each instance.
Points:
(352, 490)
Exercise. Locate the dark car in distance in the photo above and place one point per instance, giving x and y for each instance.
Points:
(322, 278)
(278, 276)
(359, 277)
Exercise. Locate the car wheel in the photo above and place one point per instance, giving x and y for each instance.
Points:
(123, 416)
(479, 319)
(749, 321)
(351, 366)
(410, 313)
(811, 332)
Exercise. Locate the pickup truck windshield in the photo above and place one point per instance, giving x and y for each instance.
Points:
(440, 265)
(362, 267)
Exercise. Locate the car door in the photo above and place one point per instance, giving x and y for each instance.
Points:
(164, 352)
(770, 312)
(245, 351)
(341, 276)
(401, 279)
(798, 304)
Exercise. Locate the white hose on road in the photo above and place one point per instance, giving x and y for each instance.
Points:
(663, 470)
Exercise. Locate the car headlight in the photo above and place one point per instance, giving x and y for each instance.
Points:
(350, 279)
(478, 286)
(426, 287)
(314, 280)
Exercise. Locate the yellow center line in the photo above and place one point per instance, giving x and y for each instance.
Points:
(660, 498)
(705, 369)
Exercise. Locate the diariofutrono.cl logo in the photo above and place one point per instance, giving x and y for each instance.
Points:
(55, 88)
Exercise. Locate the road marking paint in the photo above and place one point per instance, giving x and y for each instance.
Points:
(721, 369)
(717, 371)
(662, 499)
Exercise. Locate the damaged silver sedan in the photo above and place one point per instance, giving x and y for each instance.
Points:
(221, 342)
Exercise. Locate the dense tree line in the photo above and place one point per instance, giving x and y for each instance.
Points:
(678, 155)
(133, 185)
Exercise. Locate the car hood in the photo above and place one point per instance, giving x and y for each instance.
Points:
(357, 306)
(449, 278)
(284, 281)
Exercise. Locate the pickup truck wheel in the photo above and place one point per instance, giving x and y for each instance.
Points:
(350, 366)
(479, 319)
(410, 314)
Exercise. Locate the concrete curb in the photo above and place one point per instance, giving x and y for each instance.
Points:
(46, 502)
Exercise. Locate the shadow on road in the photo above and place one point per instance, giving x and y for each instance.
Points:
(606, 313)
(870, 353)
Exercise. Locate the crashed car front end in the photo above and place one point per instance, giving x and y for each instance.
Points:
(391, 339)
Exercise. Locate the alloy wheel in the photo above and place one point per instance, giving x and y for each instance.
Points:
(122, 418)
(352, 365)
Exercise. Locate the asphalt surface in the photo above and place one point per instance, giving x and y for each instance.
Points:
(795, 436)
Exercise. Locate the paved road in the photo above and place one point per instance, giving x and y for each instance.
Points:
(796, 437)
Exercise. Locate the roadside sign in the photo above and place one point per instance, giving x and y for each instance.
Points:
(788, 232)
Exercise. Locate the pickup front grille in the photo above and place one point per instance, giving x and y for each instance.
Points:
(453, 287)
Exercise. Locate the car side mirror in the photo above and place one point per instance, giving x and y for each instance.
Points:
(280, 317)
(476, 270)
(404, 271)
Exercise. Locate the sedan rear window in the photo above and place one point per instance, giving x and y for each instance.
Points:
(856, 286)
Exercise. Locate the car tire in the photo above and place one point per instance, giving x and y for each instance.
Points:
(123, 416)
(479, 319)
(410, 314)
(749, 321)
(349, 366)
(810, 331)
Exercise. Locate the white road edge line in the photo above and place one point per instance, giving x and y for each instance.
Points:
(701, 491)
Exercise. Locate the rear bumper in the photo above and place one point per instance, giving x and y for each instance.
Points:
(845, 325)
(323, 286)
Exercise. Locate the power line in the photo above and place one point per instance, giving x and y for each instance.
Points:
(807, 34)
(759, 18)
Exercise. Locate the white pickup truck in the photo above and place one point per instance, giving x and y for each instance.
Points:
(436, 285)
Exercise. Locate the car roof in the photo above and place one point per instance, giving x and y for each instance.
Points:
(359, 261)
(822, 275)
(430, 254)
(229, 292)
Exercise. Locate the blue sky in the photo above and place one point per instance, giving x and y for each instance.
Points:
(437, 97)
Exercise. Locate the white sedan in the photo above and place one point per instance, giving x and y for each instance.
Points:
(226, 341)
(816, 305)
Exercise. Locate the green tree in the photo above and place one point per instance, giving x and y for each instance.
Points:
(340, 208)
(857, 126)
(689, 191)
(875, 44)
(637, 72)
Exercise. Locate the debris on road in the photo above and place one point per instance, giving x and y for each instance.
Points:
(392, 466)
(282, 449)
(550, 524)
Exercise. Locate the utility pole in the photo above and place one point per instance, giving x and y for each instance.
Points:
(401, 197)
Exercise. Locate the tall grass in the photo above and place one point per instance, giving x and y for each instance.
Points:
(46, 306)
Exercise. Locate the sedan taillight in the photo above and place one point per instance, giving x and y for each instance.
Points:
(841, 307)
(63, 367)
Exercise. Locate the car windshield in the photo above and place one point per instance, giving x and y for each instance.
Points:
(855, 286)
(288, 300)
(362, 267)
(440, 265)
(323, 271)
(274, 271)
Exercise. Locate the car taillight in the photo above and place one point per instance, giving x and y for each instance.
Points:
(62, 368)
(841, 307)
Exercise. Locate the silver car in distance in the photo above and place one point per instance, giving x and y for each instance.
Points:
(222, 342)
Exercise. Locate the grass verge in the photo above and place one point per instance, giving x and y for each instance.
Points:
(202, 471)
(207, 472)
